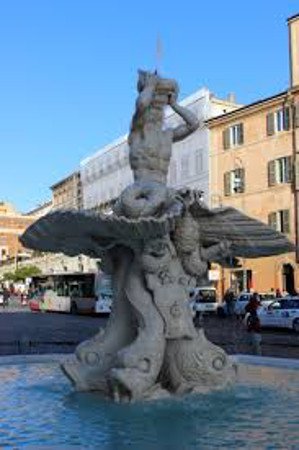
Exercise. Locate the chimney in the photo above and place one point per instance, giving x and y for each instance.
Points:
(293, 23)
(231, 97)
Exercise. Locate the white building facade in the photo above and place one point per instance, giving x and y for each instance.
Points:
(106, 173)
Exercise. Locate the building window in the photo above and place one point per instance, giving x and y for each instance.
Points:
(280, 220)
(185, 167)
(126, 156)
(198, 161)
(111, 193)
(233, 136)
(278, 121)
(280, 171)
(172, 173)
(234, 182)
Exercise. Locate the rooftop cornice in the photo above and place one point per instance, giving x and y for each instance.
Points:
(293, 18)
(64, 180)
(250, 108)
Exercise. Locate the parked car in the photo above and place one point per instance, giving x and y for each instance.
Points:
(266, 299)
(203, 299)
(281, 313)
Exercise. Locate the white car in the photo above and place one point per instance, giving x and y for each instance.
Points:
(204, 299)
(266, 299)
(282, 313)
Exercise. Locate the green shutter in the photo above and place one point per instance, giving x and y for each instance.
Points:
(225, 138)
(240, 134)
(289, 169)
(296, 115)
(271, 173)
(240, 173)
(285, 221)
(272, 220)
(227, 184)
(286, 118)
(270, 124)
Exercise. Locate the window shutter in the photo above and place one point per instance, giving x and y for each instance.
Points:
(272, 220)
(271, 173)
(227, 184)
(286, 118)
(225, 137)
(241, 134)
(270, 124)
(289, 170)
(296, 115)
(285, 219)
(240, 174)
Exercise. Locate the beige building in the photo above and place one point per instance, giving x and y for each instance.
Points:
(254, 163)
(67, 193)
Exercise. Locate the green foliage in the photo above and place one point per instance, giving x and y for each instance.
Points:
(8, 276)
(22, 273)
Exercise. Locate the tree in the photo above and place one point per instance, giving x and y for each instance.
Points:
(22, 273)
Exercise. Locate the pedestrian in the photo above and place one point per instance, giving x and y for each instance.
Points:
(253, 304)
(278, 293)
(197, 319)
(253, 325)
(6, 296)
(229, 299)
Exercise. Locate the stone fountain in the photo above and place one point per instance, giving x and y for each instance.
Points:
(156, 245)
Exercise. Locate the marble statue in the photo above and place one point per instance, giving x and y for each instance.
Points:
(156, 245)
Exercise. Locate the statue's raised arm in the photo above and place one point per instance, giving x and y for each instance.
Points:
(146, 87)
(191, 122)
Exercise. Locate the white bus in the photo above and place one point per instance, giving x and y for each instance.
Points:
(73, 293)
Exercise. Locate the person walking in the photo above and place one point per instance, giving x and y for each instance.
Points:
(198, 319)
(253, 324)
(6, 296)
(229, 299)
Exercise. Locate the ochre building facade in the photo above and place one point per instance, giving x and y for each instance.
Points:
(254, 154)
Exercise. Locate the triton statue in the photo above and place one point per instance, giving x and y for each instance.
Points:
(156, 244)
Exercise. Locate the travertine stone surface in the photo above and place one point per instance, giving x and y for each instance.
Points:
(156, 244)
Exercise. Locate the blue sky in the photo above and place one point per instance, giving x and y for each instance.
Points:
(68, 72)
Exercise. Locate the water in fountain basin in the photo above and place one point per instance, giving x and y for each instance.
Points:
(38, 407)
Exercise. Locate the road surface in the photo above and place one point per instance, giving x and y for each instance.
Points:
(25, 332)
